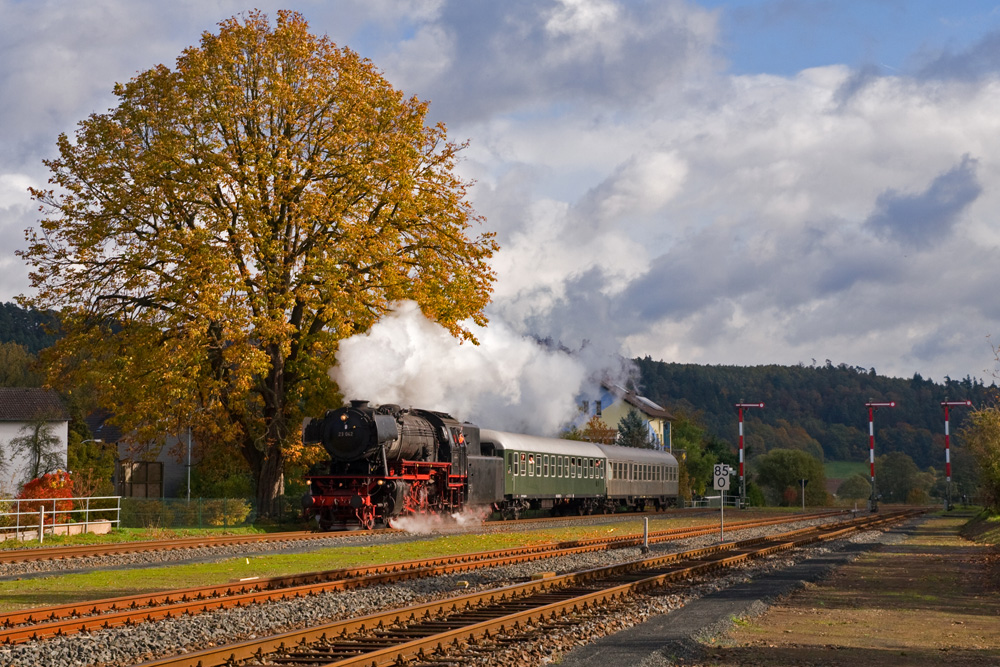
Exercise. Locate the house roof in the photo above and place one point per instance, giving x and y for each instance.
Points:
(642, 403)
(22, 404)
(99, 427)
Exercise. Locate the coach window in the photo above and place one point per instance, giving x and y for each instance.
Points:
(524, 464)
(545, 465)
(512, 464)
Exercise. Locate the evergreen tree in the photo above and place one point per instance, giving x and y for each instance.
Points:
(633, 431)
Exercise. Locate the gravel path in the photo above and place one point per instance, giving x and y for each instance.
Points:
(127, 646)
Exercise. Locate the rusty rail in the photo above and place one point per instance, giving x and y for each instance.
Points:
(38, 623)
(435, 628)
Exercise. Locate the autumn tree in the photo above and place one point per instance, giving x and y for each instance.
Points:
(689, 442)
(982, 440)
(210, 239)
(17, 366)
(597, 430)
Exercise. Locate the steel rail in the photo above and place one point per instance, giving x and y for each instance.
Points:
(33, 554)
(79, 551)
(38, 623)
(678, 566)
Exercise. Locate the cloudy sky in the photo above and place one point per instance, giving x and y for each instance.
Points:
(725, 181)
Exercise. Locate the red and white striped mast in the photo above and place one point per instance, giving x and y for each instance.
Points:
(872, 407)
(947, 445)
(743, 483)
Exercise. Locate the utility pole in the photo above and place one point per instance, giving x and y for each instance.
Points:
(947, 446)
(872, 407)
(743, 480)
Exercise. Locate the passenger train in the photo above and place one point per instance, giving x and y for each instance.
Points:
(387, 461)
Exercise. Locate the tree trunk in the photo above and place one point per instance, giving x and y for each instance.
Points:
(270, 477)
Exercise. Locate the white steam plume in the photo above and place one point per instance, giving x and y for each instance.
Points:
(507, 382)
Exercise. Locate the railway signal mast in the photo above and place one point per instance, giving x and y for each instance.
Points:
(743, 479)
(947, 445)
(872, 407)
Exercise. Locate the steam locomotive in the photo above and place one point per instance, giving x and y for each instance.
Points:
(386, 461)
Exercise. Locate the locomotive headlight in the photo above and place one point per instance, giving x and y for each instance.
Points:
(343, 417)
(381, 482)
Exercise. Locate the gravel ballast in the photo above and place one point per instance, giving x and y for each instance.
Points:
(127, 646)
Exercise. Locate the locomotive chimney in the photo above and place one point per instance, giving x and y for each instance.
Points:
(355, 403)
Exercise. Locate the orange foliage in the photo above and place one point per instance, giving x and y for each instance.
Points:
(47, 489)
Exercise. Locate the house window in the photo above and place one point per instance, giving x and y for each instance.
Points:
(597, 408)
(142, 479)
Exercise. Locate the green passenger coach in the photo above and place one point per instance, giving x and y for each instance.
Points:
(569, 476)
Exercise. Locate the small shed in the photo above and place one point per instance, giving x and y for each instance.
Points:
(149, 471)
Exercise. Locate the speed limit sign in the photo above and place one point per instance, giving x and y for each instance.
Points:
(721, 477)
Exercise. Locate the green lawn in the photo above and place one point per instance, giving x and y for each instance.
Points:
(63, 588)
(844, 469)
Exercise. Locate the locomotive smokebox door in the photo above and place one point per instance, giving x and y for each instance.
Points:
(385, 427)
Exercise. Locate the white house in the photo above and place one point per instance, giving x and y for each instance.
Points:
(20, 409)
(613, 402)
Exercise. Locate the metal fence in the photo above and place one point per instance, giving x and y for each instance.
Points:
(32, 518)
(714, 501)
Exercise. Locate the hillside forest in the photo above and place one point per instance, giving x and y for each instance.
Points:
(819, 410)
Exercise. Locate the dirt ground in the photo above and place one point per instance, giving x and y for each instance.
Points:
(933, 599)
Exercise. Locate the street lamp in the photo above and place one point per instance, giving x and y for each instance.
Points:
(743, 479)
(947, 447)
(872, 407)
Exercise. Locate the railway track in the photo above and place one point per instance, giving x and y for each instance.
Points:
(39, 623)
(37, 554)
(439, 632)
(86, 550)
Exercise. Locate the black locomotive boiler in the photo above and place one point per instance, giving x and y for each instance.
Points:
(387, 461)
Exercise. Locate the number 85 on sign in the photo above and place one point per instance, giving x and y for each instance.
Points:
(720, 473)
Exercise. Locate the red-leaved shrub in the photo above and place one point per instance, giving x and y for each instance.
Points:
(45, 488)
